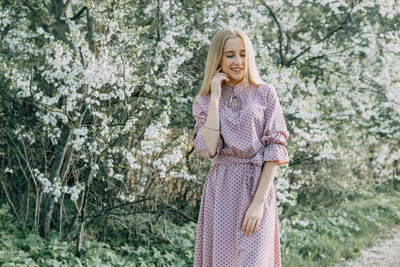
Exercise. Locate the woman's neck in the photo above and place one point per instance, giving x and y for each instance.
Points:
(231, 83)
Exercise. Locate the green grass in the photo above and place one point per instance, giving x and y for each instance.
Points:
(330, 236)
(336, 234)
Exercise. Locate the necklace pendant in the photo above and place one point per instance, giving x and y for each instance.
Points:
(235, 101)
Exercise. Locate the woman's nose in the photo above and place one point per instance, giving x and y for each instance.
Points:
(238, 60)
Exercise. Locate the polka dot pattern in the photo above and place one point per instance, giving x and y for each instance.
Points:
(253, 130)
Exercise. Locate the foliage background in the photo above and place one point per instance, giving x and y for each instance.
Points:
(96, 131)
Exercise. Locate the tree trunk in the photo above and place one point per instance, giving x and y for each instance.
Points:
(81, 233)
(47, 207)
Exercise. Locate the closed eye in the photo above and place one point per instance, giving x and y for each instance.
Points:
(232, 56)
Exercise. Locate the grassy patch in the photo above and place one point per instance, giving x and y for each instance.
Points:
(321, 237)
(332, 235)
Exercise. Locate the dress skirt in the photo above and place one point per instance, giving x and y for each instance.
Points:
(220, 240)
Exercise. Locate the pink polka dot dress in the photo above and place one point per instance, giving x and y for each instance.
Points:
(253, 130)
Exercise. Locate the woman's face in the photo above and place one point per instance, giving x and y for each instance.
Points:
(233, 60)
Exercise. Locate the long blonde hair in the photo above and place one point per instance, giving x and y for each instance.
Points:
(215, 55)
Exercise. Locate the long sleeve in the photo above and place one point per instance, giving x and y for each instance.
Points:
(275, 132)
(200, 115)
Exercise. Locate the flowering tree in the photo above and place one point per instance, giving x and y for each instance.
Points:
(97, 96)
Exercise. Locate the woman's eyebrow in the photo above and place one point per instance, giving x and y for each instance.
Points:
(231, 51)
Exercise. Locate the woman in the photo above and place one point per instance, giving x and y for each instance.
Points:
(240, 126)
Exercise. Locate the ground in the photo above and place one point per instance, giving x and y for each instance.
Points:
(385, 253)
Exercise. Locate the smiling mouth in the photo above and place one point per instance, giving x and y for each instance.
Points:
(237, 69)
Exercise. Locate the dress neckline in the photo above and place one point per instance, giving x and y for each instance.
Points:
(238, 85)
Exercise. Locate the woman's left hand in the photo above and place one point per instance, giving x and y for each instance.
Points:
(252, 219)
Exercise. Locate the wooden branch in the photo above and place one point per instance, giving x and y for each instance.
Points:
(80, 12)
(328, 35)
(44, 105)
(104, 211)
(158, 21)
(280, 37)
(36, 13)
(64, 8)
(9, 198)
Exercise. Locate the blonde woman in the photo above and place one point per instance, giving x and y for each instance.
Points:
(241, 127)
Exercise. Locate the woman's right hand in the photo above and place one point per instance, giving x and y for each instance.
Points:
(216, 83)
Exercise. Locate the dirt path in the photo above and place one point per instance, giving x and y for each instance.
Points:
(385, 253)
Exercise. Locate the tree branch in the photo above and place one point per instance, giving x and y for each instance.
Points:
(80, 12)
(280, 36)
(45, 23)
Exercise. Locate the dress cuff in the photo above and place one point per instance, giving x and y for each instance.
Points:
(276, 152)
(201, 148)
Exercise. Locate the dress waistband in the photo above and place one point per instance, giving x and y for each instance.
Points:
(256, 162)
